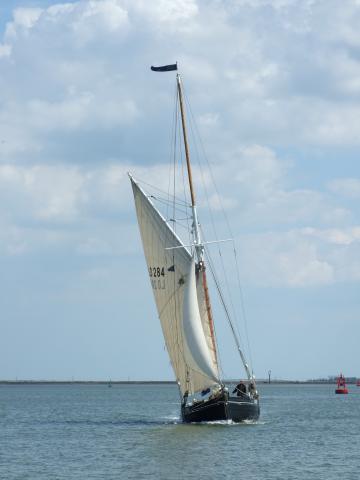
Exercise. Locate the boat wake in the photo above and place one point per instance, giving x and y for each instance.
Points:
(229, 422)
(136, 422)
(126, 422)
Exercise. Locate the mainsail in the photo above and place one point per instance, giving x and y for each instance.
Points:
(179, 295)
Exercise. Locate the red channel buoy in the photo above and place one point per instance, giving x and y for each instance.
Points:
(341, 385)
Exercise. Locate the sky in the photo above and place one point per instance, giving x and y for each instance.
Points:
(274, 87)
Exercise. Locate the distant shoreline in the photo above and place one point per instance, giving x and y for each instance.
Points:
(160, 382)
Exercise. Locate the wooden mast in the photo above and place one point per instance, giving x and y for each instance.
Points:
(198, 245)
(192, 193)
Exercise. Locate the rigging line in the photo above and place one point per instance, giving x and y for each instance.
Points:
(174, 160)
(178, 211)
(237, 342)
(211, 322)
(207, 300)
(192, 120)
(218, 357)
(165, 202)
(177, 150)
(197, 158)
(220, 365)
(173, 147)
(179, 224)
(230, 300)
(212, 221)
(177, 147)
(171, 216)
(195, 134)
(242, 305)
(190, 237)
(177, 320)
(181, 220)
(178, 200)
(184, 180)
(153, 220)
(180, 339)
(188, 217)
(217, 282)
(209, 261)
(168, 232)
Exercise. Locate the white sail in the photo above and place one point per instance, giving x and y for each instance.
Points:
(169, 270)
(205, 314)
(198, 351)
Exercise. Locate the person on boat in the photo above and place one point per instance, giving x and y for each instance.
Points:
(252, 390)
(240, 389)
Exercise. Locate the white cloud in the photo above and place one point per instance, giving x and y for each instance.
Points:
(347, 187)
(94, 246)
(270, 90)
(260, 169)
(12, 240)
(254, 180)
(43, 197)
(84, 21)
(79, 106)
(40, 192)
(63, 193)
(301, 258)
(24, 18)
(280, 260)
(209, 119)
(174, 12)
(345, 237)
(275, 87)
(219, 202)
(277, 4)
(5, 50)
(95, 18)
(80, 111)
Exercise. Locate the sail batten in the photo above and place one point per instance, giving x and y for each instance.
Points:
(172, 273)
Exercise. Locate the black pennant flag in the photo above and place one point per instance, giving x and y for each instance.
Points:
(165, 68)
(171, 269)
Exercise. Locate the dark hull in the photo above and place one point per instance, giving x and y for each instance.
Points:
(236, 409)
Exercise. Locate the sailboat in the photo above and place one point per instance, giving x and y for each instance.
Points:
(178, 279)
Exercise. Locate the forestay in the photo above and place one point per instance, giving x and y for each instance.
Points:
(187, 333)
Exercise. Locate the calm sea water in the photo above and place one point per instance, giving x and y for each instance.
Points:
(133, 432)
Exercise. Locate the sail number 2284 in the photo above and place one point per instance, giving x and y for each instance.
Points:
(156, 271)
(157, 277)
